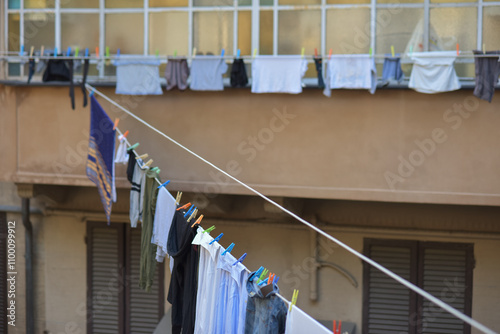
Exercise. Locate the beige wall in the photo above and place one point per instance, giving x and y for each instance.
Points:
(345, 147)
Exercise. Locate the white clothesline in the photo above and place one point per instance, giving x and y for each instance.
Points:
(363, 257)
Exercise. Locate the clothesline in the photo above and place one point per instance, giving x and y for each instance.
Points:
(371, 262)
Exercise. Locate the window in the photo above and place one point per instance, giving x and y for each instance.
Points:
(442, 269)
(115, 302)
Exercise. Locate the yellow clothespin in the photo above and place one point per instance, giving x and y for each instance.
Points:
(198, 221)
(484, 48)
(32, 49)
(41, 50)
(294, 298)
(371, 52)
(192, 215)
(254, 52)
(147, 164)
(157, 53)
(302, 52)
(392, 51)
(194, 52)
(142, 157)
(178, 198)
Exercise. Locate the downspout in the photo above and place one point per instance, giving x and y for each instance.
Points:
(30, 316)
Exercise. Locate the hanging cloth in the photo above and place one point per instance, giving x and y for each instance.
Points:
(207, 72)
(165, 210)
(281, 74)
(487, 72)
(239, 76)
(121, 152)
(433, 72)
(137, 75)
(318, 63)
(391, 71)
(177, 73)
(61, 70)
(299, 322)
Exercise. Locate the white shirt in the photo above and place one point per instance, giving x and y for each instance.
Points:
(433, 72)
(283, 74)
(136, 194)
(207, 72)
(165, 210)
(298, 322)
(355, 71)
(136, 75)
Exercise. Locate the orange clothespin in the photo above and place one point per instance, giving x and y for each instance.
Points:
(271, 278)
(97, 52)
(330, 54)
(125, 134)
(458, 49)
(185, 206)
(198, 221)
(116, 123)
(315, 52)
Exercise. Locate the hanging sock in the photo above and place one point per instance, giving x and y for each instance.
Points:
(31, 69)
(487, 72)
(318, 62)
(84, 81)
(239, 76)
(177, 73)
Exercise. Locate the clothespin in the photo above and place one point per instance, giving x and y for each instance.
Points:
(275, 280)
(330, 54)
(302, 52)
(117, 53)
(32, 49)
(22, 50)
(263, 274)
(229, 249)
(142, 157)
(68, 51)
(315, 52)
(97, 52)
(192, 215)
(164, 184)
(156, 169)
(392, 51)
(264, 281)
(147, 164)
(216, 239)
(178, 197)
(294, 298)
(124, 135)
(210, 229)
(458, 49)
(185, 206)
(188, 212)
(77, 51)
(55, 52)
(222, 53)
(175, 53)
(240, 259)
(335, 329)
(133, 147)
(371, 52)
(157, 53)
(259, 271)
(254, 52)
(238, 53)
(42, 50)
(86, 52)
(91, 92)
(271, 278)
(411, 50)
(198, 221)
(107, 51)
(194, 52)
(117, 120)
(484, 48)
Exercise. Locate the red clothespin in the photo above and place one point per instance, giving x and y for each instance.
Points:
(185, 206)
(335, 329)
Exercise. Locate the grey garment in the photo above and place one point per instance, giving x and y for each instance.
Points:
(487, 72)
(177, 73)
(206, 73)
(392, 70)
(137, 195)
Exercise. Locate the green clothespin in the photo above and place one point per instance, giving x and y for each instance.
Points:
(157, 53)
(262, 275)
(175, 53)
(294, 298)
(371, 52)
(77, 49)
(210, 229)
(133, 147)
(107, 51)
(156, 169)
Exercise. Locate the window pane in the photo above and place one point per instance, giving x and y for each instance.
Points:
(266, 33)
(491, 27)
(245, 32)
(244, 2)
(124, 4)
(14, 43)
(212, 2)
(213, 31)
(14, 4)
(454, 25)
(445, 1)
(39, 29)
(348, 30)
(80, 4)
(39, 3)
(299, 29)
(168, 32)
(299, 2)
(125, 32)
(346, 2)
(395, 27)
(168, 3)
(71, 27)
(399, 1)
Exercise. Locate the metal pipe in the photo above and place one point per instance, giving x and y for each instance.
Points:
(313, 294)
(30, 313)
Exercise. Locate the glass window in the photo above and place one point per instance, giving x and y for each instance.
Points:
(14, 33)
(299, 29)
(213, 31)
(266, 33)
(399, 1)
(244, 2)
(124, 4)
(245, 32)
(125, 32)
(452, 26)
(395, 28)
(168, 3)
(168, 32)
(39, 3)
(212, 3)
(39, 29)
(348, 30)
(79, 3)
(299, 2)
(346, 2)
(14, 4)
(491, 27)
(71, 28)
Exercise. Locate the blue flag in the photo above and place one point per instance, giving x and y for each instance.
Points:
(101, 153)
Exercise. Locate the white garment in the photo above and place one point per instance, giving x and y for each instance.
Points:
(298, 322)
(207, 72)
(355, 71)
(137, 75)
(121, 156)
(208, 283)
(283, 74)
(136, 194)
(165, 210)
(433, 72)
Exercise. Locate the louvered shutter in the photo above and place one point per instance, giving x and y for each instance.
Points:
(444, 276)
(388, 301)
(3, 272)
(144, 307)
(105, 275)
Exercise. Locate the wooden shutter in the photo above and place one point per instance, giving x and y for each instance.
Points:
(3, 270)
(387, 303)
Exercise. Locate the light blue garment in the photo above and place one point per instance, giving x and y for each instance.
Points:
(355, 71)
(433, 72)
(392, 70)
(207, 72)
(137, 75)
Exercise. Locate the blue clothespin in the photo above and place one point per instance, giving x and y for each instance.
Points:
(264, 281)
(117, 53)
(22, 50)
(229, 249)
(55, 52)
(216, 239)
(238, 53)
(68, 52)
(275, 280)
(191, 209)
(164, 184)
(240, 259)
(222, 53)
(259, 271)
(91, 92)
(86, 52)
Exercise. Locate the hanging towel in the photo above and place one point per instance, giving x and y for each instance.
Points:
(137, 194)
(207, 72)
(281, 74)
(121, 153)
(298, 322)
(101, 153)
(487, 72)
(177, 73)
(183, 282)
(208, 283)
(137, 75)
(239, 76)
(165, 210)
(131, 165)
(392, 70)
(433, 72)
(355, 71)
(318, 62)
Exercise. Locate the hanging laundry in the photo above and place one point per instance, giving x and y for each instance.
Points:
(318, 62)
(101, 153)
(177, 73)
(137, 75)
(84, 81)
(281, 74)
(165, 211)
(232, 299)
(433, 72)
(121, 153)
(356, 71)
(299, 322)
(61, 70)
(131, 165)
(266, 314)
(137, 194)
(391, 71)
(207, 72)
(31, 69)
(487, 72)
(239, 76)
(184, 280)
(208, 282)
